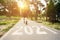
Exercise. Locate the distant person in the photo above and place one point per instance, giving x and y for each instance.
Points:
(25, 21)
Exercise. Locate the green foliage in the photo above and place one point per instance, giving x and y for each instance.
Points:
(1, 17)
(51, 25)
(57, 6)
(58, 28)
(8, 24)
(11, 6)
(59, 1)
(50, 12)
(3, 23)
(1, 1)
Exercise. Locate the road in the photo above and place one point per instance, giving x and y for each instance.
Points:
(32, 31)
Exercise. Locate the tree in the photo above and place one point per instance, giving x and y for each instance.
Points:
(51, 12)
(2, 7)
(36, 3)
(10, 8)
(2, 2)
(57, 6)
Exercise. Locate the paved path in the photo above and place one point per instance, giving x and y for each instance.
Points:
(32, 31)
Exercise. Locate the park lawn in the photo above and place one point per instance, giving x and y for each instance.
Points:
(49, 24)
(7, 23)
(52, 25)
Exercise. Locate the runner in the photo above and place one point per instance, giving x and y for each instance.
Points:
(25, 21)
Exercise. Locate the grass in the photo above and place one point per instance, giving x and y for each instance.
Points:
(2, 16)
(5, 22)
(9, 26)
(49, 24)
(9, 22)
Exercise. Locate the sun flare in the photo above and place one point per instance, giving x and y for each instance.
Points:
(21, 4)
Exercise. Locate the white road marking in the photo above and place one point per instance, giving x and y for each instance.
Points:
(42, 32)
(28, 30)
(49, 30)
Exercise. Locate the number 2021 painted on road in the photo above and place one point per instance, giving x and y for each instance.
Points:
(28, 30)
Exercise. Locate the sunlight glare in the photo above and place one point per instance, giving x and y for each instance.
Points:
(44, 3)
(21, 4)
